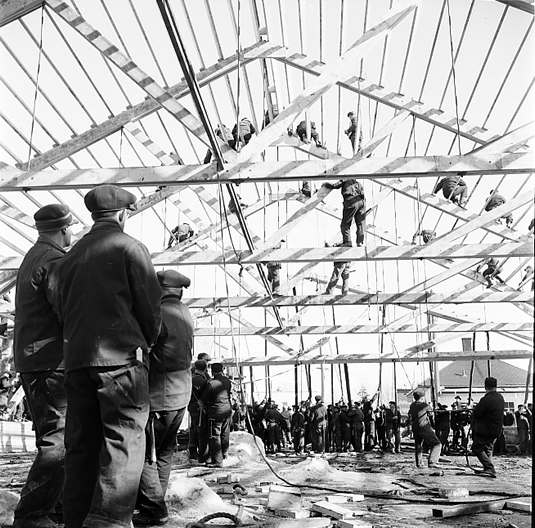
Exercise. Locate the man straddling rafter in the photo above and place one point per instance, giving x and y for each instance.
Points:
(180, 233)
(301, 131)
(273, 275)
(426, 234)
(339, 269)
(354, 209)
(245, 132)
(453, 188)
(495, 200)
(492, 271)
(223, 133)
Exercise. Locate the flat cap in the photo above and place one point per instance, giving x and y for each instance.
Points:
(205, 356)
(108, 198)
(217, 367)
(318, 398)
(491, 382)
(200, 364)
(53, 217)
(458, 397)
(419, 392)
(173, 279)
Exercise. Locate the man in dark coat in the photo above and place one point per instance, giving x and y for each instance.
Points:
(38, 355)
(354, 209)
(109, 300)
(453, 188)
(215, 401)
(170, 391)
(422, 429)
(351, 132)
(495, 200)
(198, 437)
(487, 425)
(393, 427)
(318, 423)
(357, 426)
(442, 427)
(298, 429)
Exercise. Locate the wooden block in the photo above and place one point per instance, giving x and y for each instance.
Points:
(284, 498)
(318, 522)
(452, 493)
(262, 489)
(228, 479)
(518, 505)
(353, 524)
(332, 510)
(292, 514)
(468, 509)
(340, 498)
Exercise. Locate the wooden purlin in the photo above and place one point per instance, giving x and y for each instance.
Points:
(348, 254)
(524, 5)
(142, 79)
(365, 358)
(330, 75)
(389, 97)
(358, 299)
(143, 109)
(317, 170)
(11, 10)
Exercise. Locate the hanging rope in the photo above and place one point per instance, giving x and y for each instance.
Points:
(34, 109)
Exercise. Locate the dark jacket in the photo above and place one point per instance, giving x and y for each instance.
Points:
(170, 358)
(351, 189)
(494, 201)
(357, 418)
(298, 420)
(199, 382)
(318, 414)
(419, 415)
(487, 416)
(449, 183)
(38, 338)
(216, 397)
(109, 298)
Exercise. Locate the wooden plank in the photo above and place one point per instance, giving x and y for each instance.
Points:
(345, 254)
(367, 168)
(374, 359)
(11, 10)
(519, 505)
(468, 509)
(524, 5)
(143, 109)
(363, 299)
(511, 141)
(332, 510)
(368, 329)
(132, 70)
(332, 73)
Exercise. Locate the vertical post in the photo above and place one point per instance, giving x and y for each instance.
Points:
(528, 381)
(348, 386)
(432, 364)
(252, 383)
(489, 369)
(296, 384)
(395, 382)
(468, 346)
(322, 380)
(332, 383)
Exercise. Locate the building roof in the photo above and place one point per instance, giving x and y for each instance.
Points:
(457, 374)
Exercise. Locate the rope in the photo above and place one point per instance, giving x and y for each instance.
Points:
(217, 515)
(34, 109)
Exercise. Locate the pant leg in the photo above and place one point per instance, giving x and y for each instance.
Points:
(275, 280)
(348, 213)
(225, 436)
(418, 448)
(46, 398)
(193, 434)
(123, 399)
(432, 442)
(334, 278)
(523, 440)
(482, 447)
(345, 277)
(360, 218)
(214, 440)
(397, 444)
(165, 431)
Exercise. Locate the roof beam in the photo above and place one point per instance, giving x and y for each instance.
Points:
(364, 299)
(331, 73)
(11, 10)
(368, 168)
(364, 358)
(523, 5)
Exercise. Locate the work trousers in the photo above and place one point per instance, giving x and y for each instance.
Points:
(198, 436)
(219, 438)
(108, 409)
(395, 435)
(155, 475)
(47, 402)
(443, 436)
(356, 437)
(369, 435)
(354, 209)
(482, 447)
(299, 441)
(317, 436)
(274, 278)
(457, 194)
(272, 437)
(340, 268)
(523, 436)
(426, 435)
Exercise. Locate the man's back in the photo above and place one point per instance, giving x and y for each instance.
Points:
(109, 298)
(488, 414)
(217, 397)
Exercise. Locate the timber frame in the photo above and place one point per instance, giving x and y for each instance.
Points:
(271, 158)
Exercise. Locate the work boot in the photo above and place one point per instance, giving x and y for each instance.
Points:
(34, 522)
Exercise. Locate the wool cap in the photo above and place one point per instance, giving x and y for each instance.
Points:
(491, 382)
(200, 364)
(419, 392)
(53, 217)
(458, 397)
(172, 279)
(217, 367)
(205, 356)
(108, 198)
(318, 398)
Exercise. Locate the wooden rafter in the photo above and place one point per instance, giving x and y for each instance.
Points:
(524, 5)
(11, 10)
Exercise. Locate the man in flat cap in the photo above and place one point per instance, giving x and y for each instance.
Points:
(215, 401)
(170, 389)
(317, 418)
(38, 355)
(487, 425)
(109, 299)
(420, 415)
